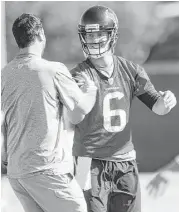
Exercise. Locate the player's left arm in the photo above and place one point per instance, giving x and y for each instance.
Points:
(165, 103)
(159, 102)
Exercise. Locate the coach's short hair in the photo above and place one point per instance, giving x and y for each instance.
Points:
(25, 29)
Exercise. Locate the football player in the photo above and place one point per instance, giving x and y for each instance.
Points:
(104, 134)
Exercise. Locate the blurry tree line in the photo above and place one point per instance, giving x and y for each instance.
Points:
(143, 34)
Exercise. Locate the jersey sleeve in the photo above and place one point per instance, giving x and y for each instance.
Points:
(144, 89)
(69, 92)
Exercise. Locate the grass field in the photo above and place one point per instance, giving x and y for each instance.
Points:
(168, 202)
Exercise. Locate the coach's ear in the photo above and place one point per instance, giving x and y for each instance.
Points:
(41, 36)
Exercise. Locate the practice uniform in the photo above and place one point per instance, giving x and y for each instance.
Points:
(105, 136)
(40, 164)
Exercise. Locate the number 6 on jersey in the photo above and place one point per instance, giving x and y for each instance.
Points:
(108, 113)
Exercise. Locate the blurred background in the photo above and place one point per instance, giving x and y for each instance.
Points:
(149, 36)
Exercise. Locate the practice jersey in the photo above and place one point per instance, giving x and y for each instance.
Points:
(105, 132)
(33, 92)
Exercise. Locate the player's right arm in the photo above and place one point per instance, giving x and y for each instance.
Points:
(77, 102)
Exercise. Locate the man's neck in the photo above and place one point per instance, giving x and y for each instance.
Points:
(104, 64)
(33, 49)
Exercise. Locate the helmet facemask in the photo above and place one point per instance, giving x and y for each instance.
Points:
(96, 43)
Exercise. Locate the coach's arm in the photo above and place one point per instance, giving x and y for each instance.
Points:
(86, 102)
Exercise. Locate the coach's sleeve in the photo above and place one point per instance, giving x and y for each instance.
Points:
(69, 92)
(144, 89)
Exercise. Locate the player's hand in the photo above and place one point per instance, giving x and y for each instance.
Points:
(168, 98)
(158, 184)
